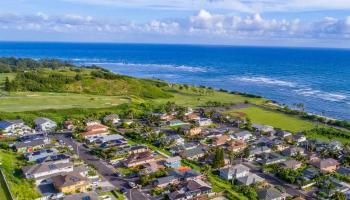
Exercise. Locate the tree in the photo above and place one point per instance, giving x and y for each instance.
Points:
(219, 158)
(77, 77)
(7, 86)
(338, 196)
(248, 124)
(206, 169)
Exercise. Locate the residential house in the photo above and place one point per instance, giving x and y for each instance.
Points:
(192, 117)
(163, 182)
(236, 145)
(234, 172)
(328, 165)
(293, 151)
(277, 144)
(250, 179)
(186, 174)
(298, 138)
(138, 159)
(283, 134)
(15, 128)
(243, 135)
(68, 125)
(28, 146)
(45, 124)
(193, 189)
(36, 156)
(70, 183)
(270, 158)
(107, 138)
(175, 139)
(335, 145)
(291, 164)
(344, 171)
(95, 130)
(138, 149)
(58, 158)
(309, 173)
(191, 130)
(263, 128)
(255, 151)
(173, 162)
(193, 154)
(113, 118)
(45, 170)
(204, 122)
(270, 194)
(221, 140)
(91, 122)
(152, 167)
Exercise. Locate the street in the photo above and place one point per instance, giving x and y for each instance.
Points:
(105, 170)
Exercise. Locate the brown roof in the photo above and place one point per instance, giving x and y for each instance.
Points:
(137, 157)
(220, 140)
(324, 163)
(67, 179)
(95, 129)
(237, 144)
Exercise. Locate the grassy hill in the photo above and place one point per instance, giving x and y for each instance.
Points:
(85, 81)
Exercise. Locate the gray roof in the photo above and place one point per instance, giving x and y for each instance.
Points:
(268, 194)
(166, 179)
(42, 120)
(6, 123)
(110, 117)
(344, 170)
(243, 134)
(44, 167)
(30, 143)
(193, 152)
(250, 179)
(235, 169)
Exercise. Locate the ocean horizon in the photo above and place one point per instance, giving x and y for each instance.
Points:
(317, 77)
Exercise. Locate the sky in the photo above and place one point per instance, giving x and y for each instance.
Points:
(314, 23)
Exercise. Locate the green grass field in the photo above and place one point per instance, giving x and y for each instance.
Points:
(276, 119)
(21, 188)
(29, 101)
(188, 97)
(3, 194)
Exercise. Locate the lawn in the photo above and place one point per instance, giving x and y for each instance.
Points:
(3, 194)
(276, 119)
(21, 188)
(198, 97)
(29, 101)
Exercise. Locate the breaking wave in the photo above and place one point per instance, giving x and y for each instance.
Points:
(184, 68)
(265, 81)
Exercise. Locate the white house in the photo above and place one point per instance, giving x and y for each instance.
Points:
(204, 122)
(243, 135)
(15, 127)
(45, 170)
(44, 124)
(263, 128)
(113, 118)
(234, 172)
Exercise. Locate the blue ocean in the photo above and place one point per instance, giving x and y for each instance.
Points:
(319, 78)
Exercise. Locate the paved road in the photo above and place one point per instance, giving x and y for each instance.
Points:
(290, 189)
(105, 170)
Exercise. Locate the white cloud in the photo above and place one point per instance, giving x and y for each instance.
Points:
(204, 23)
